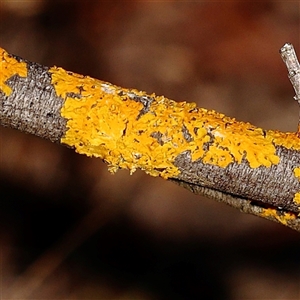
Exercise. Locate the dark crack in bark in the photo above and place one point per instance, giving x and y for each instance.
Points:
(145, 100)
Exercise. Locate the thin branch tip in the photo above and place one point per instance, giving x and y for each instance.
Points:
(289, 57)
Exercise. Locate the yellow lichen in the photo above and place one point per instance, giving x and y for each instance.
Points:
(297, 172)
(282, 217)
(297, 195)
(9, 66)
(104, 121)
(289, 140)
(297, 199)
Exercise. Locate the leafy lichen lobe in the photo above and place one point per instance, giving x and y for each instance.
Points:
(10, 66)
(297, 195)
(281, 217)
(106, 121)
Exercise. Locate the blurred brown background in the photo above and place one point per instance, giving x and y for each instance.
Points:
(71, 230)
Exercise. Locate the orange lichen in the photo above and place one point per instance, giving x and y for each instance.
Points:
(282, 217)
(9, 66)
(106, 121)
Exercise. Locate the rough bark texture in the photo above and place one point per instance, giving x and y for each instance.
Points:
(257, 184)
(35, 106)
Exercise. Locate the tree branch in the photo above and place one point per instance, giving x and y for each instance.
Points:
(289, 57)
(254, 170)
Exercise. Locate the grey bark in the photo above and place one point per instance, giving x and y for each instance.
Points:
(33, 106)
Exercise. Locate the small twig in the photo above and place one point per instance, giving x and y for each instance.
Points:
(289, 56)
